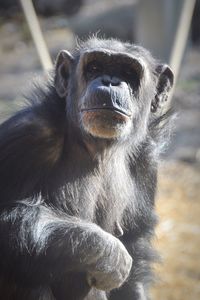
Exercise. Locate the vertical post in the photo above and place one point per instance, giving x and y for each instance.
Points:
(181, 35)
(36, 33)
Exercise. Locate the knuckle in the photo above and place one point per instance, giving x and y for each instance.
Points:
(112, 268)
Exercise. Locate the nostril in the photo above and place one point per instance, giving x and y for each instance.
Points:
(115, 81)
(106, 80)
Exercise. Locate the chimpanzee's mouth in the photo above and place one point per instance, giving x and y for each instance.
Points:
(111, 109)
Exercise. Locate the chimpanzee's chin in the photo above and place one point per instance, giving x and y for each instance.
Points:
(105, 124)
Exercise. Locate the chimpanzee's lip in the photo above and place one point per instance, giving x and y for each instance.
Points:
(113, 109)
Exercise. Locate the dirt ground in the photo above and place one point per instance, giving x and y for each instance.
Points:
(178, 199)
(178, 232)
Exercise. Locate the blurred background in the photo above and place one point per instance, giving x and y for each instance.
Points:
(171, 30)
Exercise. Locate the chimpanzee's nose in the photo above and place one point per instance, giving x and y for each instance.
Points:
(108, 80)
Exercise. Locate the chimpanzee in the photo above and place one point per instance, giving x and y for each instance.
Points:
(78, 176)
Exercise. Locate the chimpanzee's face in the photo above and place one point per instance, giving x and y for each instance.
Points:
(108, 100)
(116, 91)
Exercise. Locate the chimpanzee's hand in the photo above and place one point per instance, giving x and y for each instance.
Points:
(112, 266)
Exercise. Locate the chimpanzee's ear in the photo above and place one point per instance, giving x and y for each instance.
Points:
(164, 85)
(63, 66)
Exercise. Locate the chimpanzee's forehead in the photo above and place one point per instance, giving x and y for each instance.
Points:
(115, 46)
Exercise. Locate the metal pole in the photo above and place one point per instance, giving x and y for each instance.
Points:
(36, 33)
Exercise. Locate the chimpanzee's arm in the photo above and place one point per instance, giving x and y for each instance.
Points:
(38, 247)
(32, 236)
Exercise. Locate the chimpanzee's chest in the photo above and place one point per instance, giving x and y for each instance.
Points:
(101, 200)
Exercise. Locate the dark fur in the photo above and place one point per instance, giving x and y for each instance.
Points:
(54, 188)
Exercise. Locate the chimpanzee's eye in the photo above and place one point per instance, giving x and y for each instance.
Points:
(93, 67)
(131, 76)
(129, 72)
